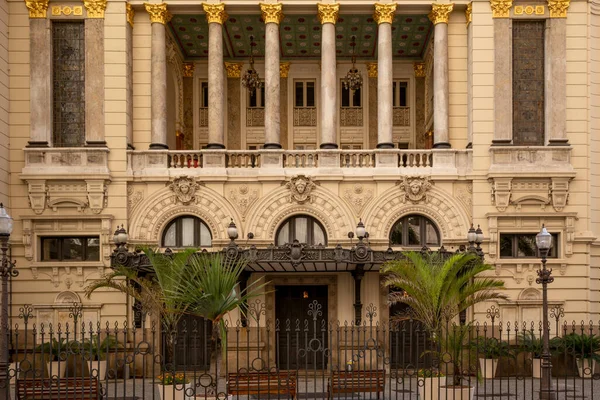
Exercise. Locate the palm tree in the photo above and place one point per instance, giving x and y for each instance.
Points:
(211, 292)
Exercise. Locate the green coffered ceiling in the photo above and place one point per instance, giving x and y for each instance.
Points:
(300, 36)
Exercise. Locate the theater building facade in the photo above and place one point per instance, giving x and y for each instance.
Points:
(297, 120)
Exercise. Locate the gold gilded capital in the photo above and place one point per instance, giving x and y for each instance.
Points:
(130, 13)
(440, 12)
(37, 8)
(328, 12)
(272, 12)
(95, 8)
(284, 69)
(384, 13)
(558, 8)
(234, 70)
(469, 12)
(501, 8)
(188, 70)
(419, 69)
(372, 70)
(215, 13)
(158, 13)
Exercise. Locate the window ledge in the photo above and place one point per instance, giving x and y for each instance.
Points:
(538, 160)
(69, 161)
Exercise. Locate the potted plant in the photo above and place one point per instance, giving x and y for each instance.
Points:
(174, 386)
(432, 380)
(490, 350)
(438, 288)
(57, 351)
(584, 348)
(96, 351)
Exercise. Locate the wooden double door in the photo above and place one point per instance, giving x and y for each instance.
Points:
(302, 337)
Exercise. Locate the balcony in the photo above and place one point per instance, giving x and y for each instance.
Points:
(380, 162)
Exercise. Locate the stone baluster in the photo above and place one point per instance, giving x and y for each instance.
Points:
(328, 15)
(384, 16)
(439, 17)
(159, 17)
(215, 16)
(272, 15)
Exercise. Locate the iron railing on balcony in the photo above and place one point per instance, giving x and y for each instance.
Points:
(304, 357)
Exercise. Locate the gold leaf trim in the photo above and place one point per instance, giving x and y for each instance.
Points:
(384, 13)
(328, 13)
(272, 12)
(440, 13)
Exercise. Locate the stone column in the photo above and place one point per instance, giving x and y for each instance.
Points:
(503, 107)
(439, 17)
(384, 16)
(272, 15)
(159, 16)
(94, 73)
(40, 61)
(328, 15)
(215, 16)
(555, 47)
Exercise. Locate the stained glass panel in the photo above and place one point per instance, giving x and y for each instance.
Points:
(68, 68)
(528, 83)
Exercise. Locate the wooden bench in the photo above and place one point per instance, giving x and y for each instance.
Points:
(259, 383)
(356, 382)
(60, 389)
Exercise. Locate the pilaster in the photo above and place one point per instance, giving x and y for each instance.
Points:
(328, 14)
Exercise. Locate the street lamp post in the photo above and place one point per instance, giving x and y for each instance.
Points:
(7, 270)
(543, 241)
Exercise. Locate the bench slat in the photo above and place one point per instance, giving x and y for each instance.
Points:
(356, 382)
(277, 383)
(64, 388)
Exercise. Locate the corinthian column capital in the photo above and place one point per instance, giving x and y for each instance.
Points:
(95, 8)
(440, 13)
(215, 13)
(384, 13)
(501, 8)
(37, 8)
(558, 8)
(272, 12)
(328, 13)
(158, 13)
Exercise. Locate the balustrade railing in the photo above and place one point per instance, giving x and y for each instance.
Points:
(357, 159)
(401, 116)
(415, 158)
(300, 159)
(185, 159)
(243, 159)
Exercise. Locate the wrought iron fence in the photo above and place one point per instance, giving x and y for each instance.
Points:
(307, 357)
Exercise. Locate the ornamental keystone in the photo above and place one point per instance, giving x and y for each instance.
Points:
(558, 8)
(328, 13)
(501, 8)
(37, 8)
(95, 8)
(440, 13)
(215, 13)
(272, 12)
(158, 13)
(384, 13)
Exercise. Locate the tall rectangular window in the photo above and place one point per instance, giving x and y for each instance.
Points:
(304, 94)
(528, 82)
(68, 69)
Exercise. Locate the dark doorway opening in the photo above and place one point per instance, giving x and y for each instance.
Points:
(302, 335)
(408, 340)
(192, 347)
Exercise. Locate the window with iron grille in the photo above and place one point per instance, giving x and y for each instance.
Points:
(68, 69)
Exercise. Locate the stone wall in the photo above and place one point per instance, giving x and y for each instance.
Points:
(594, 106)
(4, 84)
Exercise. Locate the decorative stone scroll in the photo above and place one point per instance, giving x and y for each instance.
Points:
(184, 189)
(415, 188)
(301, 187)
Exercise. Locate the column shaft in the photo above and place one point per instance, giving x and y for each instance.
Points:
(385, 79)
(94, 82)
(329, 120)
(40, 91)
(441, 94)
(216, 87)
(272, 88)
(158, 87)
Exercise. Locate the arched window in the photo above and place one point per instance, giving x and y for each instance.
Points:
(302, 228)
(187, 231)
(414, 230)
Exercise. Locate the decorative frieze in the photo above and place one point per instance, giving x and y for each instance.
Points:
(328, 13)
(440, 13)
(215, 13)
(67, 11)
(384, 13)
(95, 8)
(158, 13)
(37, 8)
(558, 8)
(529, 10)
(501, 8)
(272, 12)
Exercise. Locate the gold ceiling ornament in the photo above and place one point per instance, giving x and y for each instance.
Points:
(284, 69)
(95, 8)
(440, 12)
(272, 12)
(234, 70)
(384, 13)
(469, 12)
(130, 13)
(215, 13)
(188, 70)
(501, 8)
(37, 8)
(558, 8)
(419, 68)
(328, 13)
(372, 70)
(158, 13)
